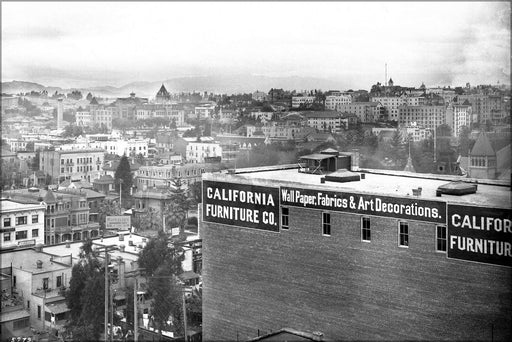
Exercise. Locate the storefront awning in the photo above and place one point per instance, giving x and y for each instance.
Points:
(57, 308)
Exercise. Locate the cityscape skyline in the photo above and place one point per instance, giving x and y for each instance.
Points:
(100, 44)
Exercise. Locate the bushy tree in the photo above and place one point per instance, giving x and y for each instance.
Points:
(86, 306)
(162, 263)
(176, 210)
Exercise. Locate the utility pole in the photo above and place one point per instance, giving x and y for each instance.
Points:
(107, 285)
(184, 314)
(120, 187)
(135, 274)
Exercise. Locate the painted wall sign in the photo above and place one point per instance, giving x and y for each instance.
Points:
(406, 208)
(27, 242)
(242, 205)
(480, 234)
(118, 222)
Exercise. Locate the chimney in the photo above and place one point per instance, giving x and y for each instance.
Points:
(354, 160)
(39, 264)
(60, 111)
(121, 237)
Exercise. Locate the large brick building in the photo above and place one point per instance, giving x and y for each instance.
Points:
(355, 255)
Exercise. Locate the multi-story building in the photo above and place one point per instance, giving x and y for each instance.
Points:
(204, 111)
(67, 216)
(426, 116)
(130, 147)
(227, 116)
(84, 118)
(391, 103)
(36, 280)
(333, 101)
(365, 111)
(355, 254)
(485, 107)
(22, 224)
(125, 108)
(65, 164)
(415, 100)
(328, 121)
(164, 175)
(457, 116)
(100, 114)
(262, 116)
(281, 130)
(199, 151)
(298, 101)
(259, 96)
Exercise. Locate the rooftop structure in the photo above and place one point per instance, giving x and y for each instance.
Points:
(355, 253)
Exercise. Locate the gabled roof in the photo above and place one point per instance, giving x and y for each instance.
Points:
(483, 146)
(50, 197)
(162, 92)
(94, 101)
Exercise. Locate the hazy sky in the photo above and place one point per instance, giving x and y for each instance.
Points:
(98, 43)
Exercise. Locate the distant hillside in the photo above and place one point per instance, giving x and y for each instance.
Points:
(217, 84)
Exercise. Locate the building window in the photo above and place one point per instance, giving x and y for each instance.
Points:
(21, 220)
(403, 234)
(39, 312)
(441, 238)
(284, 218)
(35, 233)
(45, 283)
(22, 234)
(326, 224)
(59, 281)
(7, 236)
(365, 229)
(35, 218)
(7, 222)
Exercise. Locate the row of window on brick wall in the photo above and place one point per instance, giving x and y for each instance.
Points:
(366, 231)
(21, 235)
(20, 220)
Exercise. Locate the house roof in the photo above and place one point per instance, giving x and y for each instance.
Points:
(162, 91)
(287, 334)
(105, 179)
(483, 146)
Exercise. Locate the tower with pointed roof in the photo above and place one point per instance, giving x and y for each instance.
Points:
(162, 96)
(482, 159)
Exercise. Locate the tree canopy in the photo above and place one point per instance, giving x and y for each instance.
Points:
(86, 306)
(124, 179)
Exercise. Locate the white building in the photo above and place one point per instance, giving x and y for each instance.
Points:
(298, 101)
(204, 111)
(121, 147)
(324, 121)
(458, 116)
(84, 118)
(22, 224)
(262, 116)
(197, 151)
(333, 101)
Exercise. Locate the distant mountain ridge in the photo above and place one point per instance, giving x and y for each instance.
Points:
(229, 84)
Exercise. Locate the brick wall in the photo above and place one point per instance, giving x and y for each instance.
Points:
(346, 288)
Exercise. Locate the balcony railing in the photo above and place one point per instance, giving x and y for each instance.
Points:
(48, 293)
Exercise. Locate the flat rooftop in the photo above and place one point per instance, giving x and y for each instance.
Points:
(131, 253)
(26, 259)
(398, 184)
